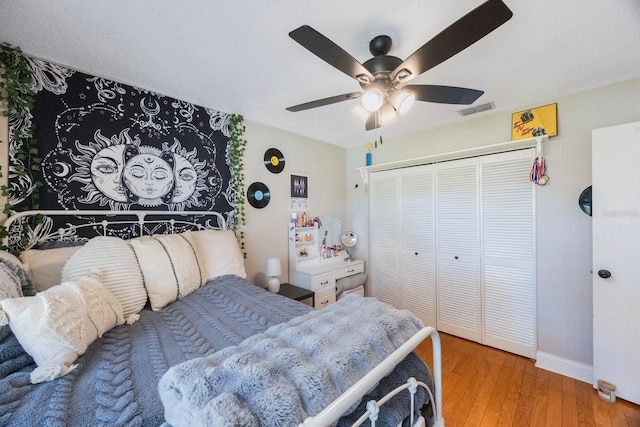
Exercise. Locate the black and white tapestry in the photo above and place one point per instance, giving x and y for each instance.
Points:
(110, 146)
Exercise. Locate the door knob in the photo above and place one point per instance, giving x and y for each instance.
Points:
(605, 274)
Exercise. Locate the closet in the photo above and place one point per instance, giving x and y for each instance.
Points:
(454, 242)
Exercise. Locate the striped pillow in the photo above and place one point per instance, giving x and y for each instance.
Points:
(169, 265)
(120, 271)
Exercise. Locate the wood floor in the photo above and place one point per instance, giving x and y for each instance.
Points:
(483, 386)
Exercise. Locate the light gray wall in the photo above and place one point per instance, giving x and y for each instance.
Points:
(266, 232)
(563, 232)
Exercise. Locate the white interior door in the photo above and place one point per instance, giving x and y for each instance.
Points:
(508, 261)
(458, 249)
(418, 262)
(384, 231)
(616, 250)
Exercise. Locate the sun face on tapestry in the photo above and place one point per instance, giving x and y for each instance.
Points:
(121, 171)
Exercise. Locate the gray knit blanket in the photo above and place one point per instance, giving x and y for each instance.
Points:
(291, 371)
(116, 381)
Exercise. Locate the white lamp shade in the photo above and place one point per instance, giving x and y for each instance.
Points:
(359, 111)
(372, 99)
(402, 100)
(387, 114)
(273, 267)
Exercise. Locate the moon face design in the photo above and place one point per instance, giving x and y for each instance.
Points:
(148, 176)
(106, 172)
(186, 179)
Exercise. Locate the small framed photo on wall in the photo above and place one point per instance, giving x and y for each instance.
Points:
(299, 200)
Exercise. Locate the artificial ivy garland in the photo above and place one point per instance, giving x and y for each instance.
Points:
(237, 145)
(17, 98)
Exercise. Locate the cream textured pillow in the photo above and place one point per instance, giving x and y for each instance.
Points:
(218, 252)
(45, 266)
(57, 325)
(169, 266)
(120, 270)
(10, 257)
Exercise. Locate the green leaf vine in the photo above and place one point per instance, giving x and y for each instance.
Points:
(17, 98)
(237, 145)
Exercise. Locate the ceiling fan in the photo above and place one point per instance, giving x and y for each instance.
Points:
(383, 77)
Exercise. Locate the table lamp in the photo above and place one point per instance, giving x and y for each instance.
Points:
(272, 272)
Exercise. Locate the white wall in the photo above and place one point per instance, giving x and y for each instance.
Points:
(564, 277)
(266, 232)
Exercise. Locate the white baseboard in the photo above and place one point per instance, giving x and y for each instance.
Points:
(566, 367)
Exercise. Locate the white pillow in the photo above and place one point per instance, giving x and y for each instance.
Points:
(169, 266)
(120, 270)
(218, 252)
(10, 284)
(45, 266)
(57, 325)
(10, 257)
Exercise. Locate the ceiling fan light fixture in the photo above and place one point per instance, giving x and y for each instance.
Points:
(373, 99)
(388, 114)
(360, 111)
(402, 100)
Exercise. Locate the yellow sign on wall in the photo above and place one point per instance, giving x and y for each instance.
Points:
(535, 122)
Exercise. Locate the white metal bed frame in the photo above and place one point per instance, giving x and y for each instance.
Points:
(338, 407)
(141, 221)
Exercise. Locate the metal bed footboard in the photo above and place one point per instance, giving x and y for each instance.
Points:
(336, 409)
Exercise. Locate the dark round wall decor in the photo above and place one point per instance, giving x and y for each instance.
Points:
(585, 200)
(258, 195)
(274, 160)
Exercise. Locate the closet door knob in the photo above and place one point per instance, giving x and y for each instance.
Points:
(416, 253)
(605, 274)
(456, 257)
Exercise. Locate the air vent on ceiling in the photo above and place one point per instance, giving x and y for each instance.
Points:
(477, 109)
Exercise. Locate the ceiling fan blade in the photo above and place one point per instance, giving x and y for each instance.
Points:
(325, 101)
(444, 94)
(453, 39)
(373, 122)
(331, 53)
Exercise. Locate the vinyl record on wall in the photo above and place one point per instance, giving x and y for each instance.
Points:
(258, 195)
(274, 160)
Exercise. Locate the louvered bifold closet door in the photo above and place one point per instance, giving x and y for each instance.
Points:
(458, 248)
(384, 232)
(508, 223)
(417, 222)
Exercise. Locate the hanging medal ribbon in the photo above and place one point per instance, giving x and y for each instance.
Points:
(537, 174)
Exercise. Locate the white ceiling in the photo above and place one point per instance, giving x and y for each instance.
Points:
(236, 56)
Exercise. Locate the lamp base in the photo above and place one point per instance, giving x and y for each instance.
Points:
(273, 284)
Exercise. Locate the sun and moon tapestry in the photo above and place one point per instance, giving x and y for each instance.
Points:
(105, 145)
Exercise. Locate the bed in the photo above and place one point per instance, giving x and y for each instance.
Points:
(165, 361)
